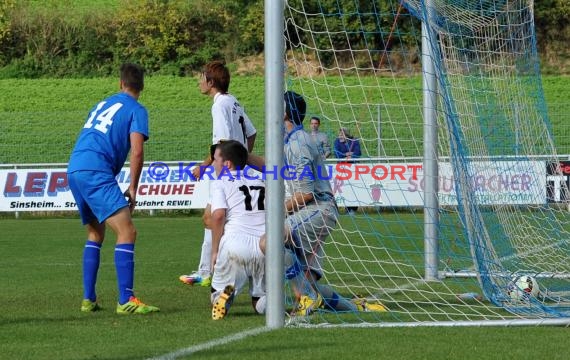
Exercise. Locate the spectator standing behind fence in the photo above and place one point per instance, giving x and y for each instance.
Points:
(321, 139)
(347, 148)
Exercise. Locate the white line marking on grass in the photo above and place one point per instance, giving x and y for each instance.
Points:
(210, 344)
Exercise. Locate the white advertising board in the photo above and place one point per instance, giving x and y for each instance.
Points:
(48, 190)
(366, 184)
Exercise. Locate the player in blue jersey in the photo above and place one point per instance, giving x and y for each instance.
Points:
(115, 126)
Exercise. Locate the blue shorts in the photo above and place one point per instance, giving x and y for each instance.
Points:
(97, 194)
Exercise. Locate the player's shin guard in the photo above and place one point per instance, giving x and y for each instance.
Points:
(91, 259)
(125, 266)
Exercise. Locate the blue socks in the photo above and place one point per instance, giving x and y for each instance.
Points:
(333, 300)
(91, 258)
(125, 266)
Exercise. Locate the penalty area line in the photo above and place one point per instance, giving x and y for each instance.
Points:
(210, 344)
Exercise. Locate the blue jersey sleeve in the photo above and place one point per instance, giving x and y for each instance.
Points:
(139, 123)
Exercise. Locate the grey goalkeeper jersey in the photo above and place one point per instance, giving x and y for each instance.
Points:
(306, 171)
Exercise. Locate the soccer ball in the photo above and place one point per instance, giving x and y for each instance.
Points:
(522, 287)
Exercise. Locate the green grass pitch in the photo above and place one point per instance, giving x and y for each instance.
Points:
(41, 291)
(180, 116)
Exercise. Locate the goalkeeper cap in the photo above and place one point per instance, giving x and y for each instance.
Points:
(295, 107)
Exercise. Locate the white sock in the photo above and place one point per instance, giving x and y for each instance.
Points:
(205, 256)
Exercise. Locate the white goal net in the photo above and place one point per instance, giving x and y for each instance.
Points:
(500, 217)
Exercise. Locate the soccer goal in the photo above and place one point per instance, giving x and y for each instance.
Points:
(455, 211)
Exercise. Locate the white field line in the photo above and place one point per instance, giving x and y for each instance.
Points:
(210, 344)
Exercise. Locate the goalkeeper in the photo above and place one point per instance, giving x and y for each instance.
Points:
(312, 215)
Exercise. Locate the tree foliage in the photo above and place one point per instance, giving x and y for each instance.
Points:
(178, 36)
(552, 19)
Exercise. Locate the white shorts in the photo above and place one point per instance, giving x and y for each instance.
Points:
(239, 260)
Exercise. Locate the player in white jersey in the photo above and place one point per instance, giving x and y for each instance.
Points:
(230, 122)
(238, 222)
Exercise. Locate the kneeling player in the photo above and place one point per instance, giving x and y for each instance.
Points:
(238, 221)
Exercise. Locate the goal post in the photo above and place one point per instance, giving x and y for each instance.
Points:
(274, 65)
(457, 189)
(431, 213)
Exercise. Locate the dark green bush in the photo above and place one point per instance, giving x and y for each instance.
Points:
(168, 37)
(52, 43)
(176, 37)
